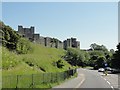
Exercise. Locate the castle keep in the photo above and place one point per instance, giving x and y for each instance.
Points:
(71, 43)
(30, 34)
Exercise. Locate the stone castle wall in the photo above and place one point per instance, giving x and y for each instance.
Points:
(47, 41)
(71, 42)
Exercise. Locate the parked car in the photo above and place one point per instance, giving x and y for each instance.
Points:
(115, 70)
(108, 69)
(101, 70)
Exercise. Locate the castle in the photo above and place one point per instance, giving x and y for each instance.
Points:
(30, 34)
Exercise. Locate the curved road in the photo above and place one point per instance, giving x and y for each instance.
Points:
(93, 80)
(87, 79)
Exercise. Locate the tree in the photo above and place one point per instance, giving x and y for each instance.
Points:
(112, 51)
(116, 58)
(100, 51)
(100, 62)
(10, 37)
(75, 57)
(95, 46)
(96, 58)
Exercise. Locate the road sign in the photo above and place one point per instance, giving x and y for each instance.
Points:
(106, 64)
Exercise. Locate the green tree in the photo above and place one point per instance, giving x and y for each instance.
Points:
(100, 51)
(100, 62)
(10, 37)
(76, 57)
(95, 46)
(116, 58)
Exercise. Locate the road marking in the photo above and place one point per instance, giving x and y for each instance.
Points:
(112, 87)
(80, 82)
(102, 75)
(108, 82)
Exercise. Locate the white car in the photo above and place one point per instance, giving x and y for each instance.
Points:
(101, 70)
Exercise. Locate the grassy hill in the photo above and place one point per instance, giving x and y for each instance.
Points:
(20, 56)
(40, 60)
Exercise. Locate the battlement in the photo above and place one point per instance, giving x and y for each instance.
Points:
(47, 41)
(71, 43)
(28, 33)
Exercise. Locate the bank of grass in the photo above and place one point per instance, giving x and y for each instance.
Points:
(40, 60)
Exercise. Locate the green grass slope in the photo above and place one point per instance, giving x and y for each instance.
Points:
(40, 60)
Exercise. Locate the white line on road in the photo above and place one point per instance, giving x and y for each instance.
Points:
(112, 87)
(108, 82)
(80, 82)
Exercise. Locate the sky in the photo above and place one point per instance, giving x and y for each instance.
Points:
(89, 22)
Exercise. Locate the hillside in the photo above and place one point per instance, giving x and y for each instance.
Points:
(40, 60)
(20, 56)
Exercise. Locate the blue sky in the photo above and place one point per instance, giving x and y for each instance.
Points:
(89, 22)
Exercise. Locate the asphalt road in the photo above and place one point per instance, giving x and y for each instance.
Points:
(91, 79)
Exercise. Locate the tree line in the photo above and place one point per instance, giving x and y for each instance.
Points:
(97, 56)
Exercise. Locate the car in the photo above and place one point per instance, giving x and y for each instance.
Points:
(101, 70)
(115, 70)
(108, 69)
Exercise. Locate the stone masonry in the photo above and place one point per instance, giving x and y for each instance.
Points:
(47, 41)
(71, 43)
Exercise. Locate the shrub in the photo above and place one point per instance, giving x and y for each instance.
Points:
(59, 63)
(24, 46)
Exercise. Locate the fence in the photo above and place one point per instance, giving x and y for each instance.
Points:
(30, 81)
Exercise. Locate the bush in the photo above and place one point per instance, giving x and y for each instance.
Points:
(24, 46)
(59, 63)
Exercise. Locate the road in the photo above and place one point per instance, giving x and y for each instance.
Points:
(91, 79)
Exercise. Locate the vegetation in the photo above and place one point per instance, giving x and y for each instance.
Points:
(116, 58)
(20, 55)
(40, 60)
(23, 46)
(76, 57)
(9, 37)
(9, 59)
(40, 57)
(96, 56)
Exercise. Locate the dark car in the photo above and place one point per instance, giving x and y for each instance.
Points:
(115, 70)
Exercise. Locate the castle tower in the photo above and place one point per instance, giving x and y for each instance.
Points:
(69, 43)
(78, 44)
(65, 44)
(21, 30)
(73, 42)
(32, 29)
